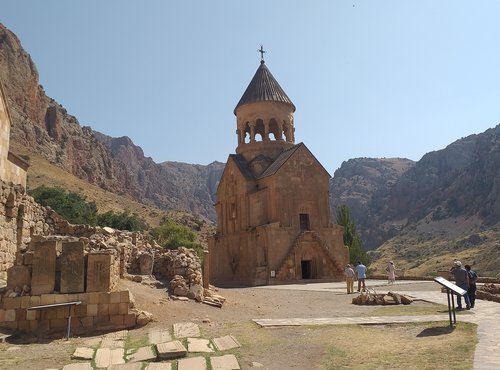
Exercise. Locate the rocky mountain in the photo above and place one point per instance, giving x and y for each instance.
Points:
(387, 195)
(42, 125)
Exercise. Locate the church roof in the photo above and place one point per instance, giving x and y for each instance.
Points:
(263, 87)
(243, 166)
(284, 157)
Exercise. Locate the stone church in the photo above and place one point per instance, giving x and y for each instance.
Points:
(273, 214)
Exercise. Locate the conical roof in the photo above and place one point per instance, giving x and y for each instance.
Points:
(263, 87)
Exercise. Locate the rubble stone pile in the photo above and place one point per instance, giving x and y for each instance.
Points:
(373, 298)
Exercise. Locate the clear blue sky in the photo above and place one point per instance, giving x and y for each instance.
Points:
(368, 78)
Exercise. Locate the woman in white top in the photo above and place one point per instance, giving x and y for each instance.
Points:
(391, 272)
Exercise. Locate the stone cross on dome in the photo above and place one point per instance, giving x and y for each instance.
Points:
(261, 51)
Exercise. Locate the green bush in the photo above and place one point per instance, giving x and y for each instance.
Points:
(172, 236)
(121, 221)
(71, 206)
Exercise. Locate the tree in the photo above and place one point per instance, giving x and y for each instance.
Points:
(121, 221)
(351, 236)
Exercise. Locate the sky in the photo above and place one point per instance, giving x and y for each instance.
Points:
(370, 78)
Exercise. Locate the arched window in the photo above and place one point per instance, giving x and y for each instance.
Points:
(274, 129)
(260, 130)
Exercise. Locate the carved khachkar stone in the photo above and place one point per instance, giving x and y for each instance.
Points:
(72, 268)
(99, 272)
(44, 267)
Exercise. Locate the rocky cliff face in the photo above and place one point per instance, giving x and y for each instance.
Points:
(386, 196)
(41, 124)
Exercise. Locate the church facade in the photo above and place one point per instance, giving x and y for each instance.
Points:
(273, 215)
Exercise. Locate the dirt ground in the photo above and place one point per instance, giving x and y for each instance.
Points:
(279, 348)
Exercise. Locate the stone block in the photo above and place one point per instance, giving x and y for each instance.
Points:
(49, 313)
(102, 309)
(125, 296)
(91, 310)
(115, 297)
(128, 366)
(62, 312)
(47, 299)
(44, 268)
(10, 315)
(23, 325)
(99, 272)
(170, 350)
(159, 336)
(33, 325)
(159, 366)
(10, 325)
(101, 320)
(34, 300)
(78, 366)
(113, 308)
(60, 298)
(122, 308)
(104, 298)
(226, 343)
(11, 303)
(199, 345)
(20, 314)
(83, 353)
(80, 310)
(192, 363)
(32, 314)
(87, 322)
(2, 315)
(25, 301)
(129, 320)
(116, 320)
(105, 357)
(58, 324)
(72, 267)
(226, 362)
(18, 276)
(93, 298)
(84, 297)
(142, 354)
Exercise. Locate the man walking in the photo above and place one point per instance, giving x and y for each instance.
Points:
(361, 274)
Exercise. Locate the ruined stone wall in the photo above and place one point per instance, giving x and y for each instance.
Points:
(21, 218)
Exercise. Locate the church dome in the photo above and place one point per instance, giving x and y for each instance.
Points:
(264, 87)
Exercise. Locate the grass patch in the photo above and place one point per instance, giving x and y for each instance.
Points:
(133, 344)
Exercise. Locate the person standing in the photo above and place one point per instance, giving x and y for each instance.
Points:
(472, 285)
(350, 275)
(462, 281)
(361, 275)
(391, 272)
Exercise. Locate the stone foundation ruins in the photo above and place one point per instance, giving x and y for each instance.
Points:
(74, 270)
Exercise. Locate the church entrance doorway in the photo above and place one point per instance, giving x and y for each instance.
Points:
(306, 269)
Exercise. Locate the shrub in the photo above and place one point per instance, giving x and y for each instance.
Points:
(172, 236)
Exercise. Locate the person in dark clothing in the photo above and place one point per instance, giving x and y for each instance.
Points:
(472, 285)
(461, 280)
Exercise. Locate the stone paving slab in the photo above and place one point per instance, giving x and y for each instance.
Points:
(226, 362)
(186, 329)
(78, 366)
(83, 353)
(160, 336)
(142, 354)
(367, 320)
(105, 357)
(192, 363)
(226, 343)
(169, 350)
(199, 345)
(159, 366)
(93, 342)
(112, 343)
(128, 366)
